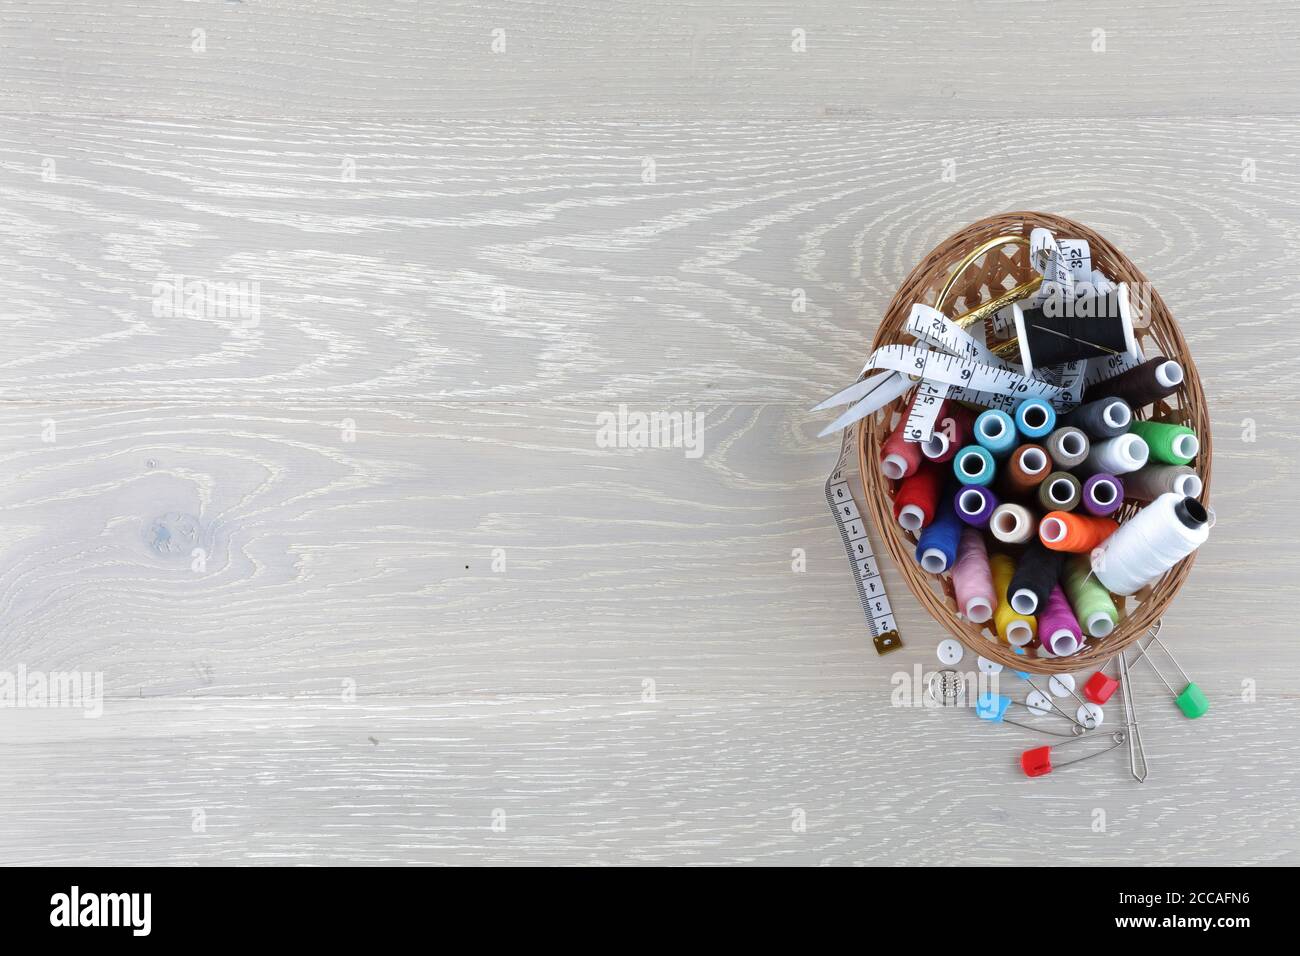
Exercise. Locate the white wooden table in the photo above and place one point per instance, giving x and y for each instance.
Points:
(474, 227)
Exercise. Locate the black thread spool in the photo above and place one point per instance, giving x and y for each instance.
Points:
(1037, 572)
(1065, 329)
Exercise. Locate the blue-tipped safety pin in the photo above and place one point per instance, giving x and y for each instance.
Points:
(993, 707)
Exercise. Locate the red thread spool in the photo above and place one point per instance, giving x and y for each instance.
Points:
(917, 499)
(899, 458)
(952, 431)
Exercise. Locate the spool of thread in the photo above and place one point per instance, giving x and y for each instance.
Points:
(1141, 385)
(1035, 417)
(974, 504)
(1011, 524)
(1013, 628)
(1104, 418)
(1059, 491)
(899, 458)
(972, 581)
(952, 430)
(936, 548)
(917, 498)
(1025, 469)
(973, 465)
(1092, 603)
(1102, 494)
(1068, 447)
(1118, 455)
(1063, 531)
(1151, 542)
(1037, 572)
(1149, 483)
(1052, 336)
(995, 431)
(1058, 628)
(1169, 444)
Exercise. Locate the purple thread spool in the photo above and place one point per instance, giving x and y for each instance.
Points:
(1102, 494)
(974, 504)
(1058, 628)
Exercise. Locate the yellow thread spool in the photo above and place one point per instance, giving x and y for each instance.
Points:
(1012, 626)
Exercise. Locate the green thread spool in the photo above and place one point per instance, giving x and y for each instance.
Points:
(1169, 444)
(1092, 603)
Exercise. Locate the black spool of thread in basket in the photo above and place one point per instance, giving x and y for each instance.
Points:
(1057, 332)
(1037, 572)
(1102, 419)
(1149, 382)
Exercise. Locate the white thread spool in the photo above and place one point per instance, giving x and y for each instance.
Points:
(1118, 455)
(1151, 542)
(1011, 524)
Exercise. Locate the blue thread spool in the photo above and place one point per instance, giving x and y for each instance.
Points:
(1035, 417)
(996, 431)
(973, 465)
(936, 548)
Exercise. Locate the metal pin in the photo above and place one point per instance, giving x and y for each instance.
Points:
(1136, 753)
(1037, 762)
(993, 707)
(1192, 701)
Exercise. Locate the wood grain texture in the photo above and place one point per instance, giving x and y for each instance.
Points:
(527, 262)
(616, 781)
(675, 58)
(462, 261)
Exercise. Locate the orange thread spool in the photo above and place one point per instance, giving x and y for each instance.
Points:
(1065, 531)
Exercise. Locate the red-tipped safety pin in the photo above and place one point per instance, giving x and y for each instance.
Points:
(1037, 762)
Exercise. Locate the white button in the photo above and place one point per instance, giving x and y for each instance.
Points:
(1038, 703)
(950, 651)
(987, 666)
(1090, 715)
(1061, 685)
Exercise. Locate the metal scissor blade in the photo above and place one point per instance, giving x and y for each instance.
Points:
(894, 385)
(854, 392)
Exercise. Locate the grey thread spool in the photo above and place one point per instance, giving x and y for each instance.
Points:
(1059, 491)
(1068, 447)
(1102, 419)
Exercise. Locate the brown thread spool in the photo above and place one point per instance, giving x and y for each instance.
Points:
(1028, 465)
(1141, 385)
(1059, 491)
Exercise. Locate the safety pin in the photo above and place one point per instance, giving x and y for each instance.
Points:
(1136, 752)
(993, 707)
(1192, 701)
(1024, 676)
(1037, 762)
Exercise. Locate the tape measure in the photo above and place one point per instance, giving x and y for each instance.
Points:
(857, 546)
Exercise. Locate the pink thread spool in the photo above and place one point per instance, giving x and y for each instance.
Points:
(1058, 628)
(972, 580)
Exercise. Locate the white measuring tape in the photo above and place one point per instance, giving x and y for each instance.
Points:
(968, 374)
(857, 545)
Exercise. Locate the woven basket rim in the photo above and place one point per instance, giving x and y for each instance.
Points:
(935, 593)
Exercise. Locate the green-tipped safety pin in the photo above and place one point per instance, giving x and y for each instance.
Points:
(1192, 701)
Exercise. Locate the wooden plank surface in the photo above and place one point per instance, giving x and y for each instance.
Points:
(718, 59)
(280, 537)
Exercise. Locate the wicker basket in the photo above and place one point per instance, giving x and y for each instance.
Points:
(997, 271)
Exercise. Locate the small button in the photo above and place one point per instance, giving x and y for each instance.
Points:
(1037, 703)
(987, 666)
(950, 652)
(1062, 685)
(1090, 715)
